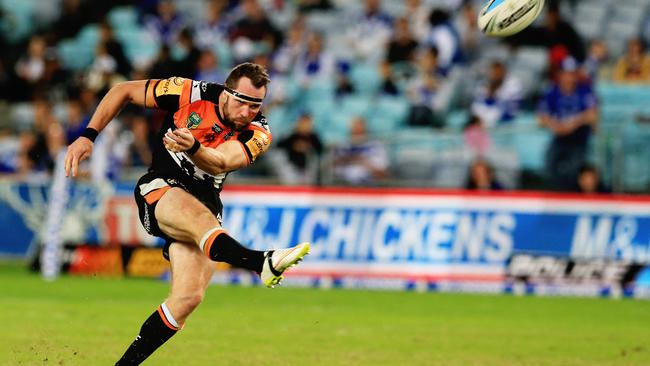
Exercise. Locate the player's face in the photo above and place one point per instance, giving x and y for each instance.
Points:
(239, 111)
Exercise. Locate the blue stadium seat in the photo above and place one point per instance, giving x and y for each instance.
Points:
(88, 36)
(18, 20)
(138, 44)
(355, 105)
(394, 108)
(635, 153)
(281, 121)
(123, 17)
(365, 78)
(531, 145)
(224, 54)
(456, 119)
(73, 55)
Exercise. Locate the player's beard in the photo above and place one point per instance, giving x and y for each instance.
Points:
(229, 122)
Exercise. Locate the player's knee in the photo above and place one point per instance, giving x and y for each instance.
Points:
(191, 300)
(206, 218)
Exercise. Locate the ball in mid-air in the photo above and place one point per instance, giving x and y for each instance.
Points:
(507, 17)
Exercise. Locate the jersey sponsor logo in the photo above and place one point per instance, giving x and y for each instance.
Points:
(169, 87)
(204, 86)
(228, 135)
(217, 129)
(193, 120)
(258, 144)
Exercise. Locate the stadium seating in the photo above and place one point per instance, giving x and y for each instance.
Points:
(620, 106)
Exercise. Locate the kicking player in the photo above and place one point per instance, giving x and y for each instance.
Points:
(210, 130)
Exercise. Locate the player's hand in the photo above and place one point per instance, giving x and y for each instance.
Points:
(178, 140)
(78, 151)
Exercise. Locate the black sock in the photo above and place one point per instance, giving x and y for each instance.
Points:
(153, 334)
(223, 248)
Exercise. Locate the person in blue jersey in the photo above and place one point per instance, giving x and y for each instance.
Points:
(569, 109)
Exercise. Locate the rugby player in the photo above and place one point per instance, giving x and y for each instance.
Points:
(210, 130)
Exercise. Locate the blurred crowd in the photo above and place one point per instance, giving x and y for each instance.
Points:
(330, 63)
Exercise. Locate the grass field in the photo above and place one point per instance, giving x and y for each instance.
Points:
(90, 321)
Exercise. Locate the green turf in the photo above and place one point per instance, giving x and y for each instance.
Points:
(90, 321)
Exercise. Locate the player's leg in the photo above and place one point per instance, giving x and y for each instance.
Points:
(179, 215)
(191, 274)
(183, 217)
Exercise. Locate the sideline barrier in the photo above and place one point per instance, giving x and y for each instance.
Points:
(406, 238)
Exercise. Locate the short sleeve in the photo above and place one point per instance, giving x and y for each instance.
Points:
(255, 141)
(174, 93)
(170, 94)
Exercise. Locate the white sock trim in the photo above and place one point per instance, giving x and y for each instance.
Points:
(168, 315)
(205, 237)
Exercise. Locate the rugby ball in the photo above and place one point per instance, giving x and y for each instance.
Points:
(507, 17)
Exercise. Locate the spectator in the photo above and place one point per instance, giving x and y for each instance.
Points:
(361, 161)
(481, 177)
(254, 26)
(47, 140)
(164, 66)
(103, 72)
(305, 6)
(469, 34)
(344, 85)
(208, 67)
(561, 38)
(370, 34)
(76, 120)
(30, 67)
(399, 63)
(292, 48)
(315, 63)
(445, 38)
(634, 66)
(303, 148)
(499, 99)
(557, 35)
(569, 110)
(477, 139)
(589, 181)
(282, 12)
(139, 141)
(423, 91)
(187, 54)
(214, 29)
(114, 48)
(596, 66)
(402, 46)
(72, 19)
(165, 25)
(417, 13)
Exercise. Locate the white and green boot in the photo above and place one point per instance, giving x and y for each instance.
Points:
(279, 260)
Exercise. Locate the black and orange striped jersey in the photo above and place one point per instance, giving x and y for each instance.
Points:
(194, 105)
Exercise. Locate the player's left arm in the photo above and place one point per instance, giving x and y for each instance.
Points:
(228, 156)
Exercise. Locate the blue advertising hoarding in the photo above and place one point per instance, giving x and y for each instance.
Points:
(375, 234)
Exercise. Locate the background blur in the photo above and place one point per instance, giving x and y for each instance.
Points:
(374, 93)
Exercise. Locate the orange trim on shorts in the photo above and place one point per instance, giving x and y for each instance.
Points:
(153, 196)
(210, 240)
(164, 319)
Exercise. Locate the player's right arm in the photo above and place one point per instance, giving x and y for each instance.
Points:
(140, 92)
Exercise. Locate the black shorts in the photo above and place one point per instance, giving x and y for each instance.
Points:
(152, 186)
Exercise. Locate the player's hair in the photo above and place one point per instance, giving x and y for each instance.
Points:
(256, 73)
